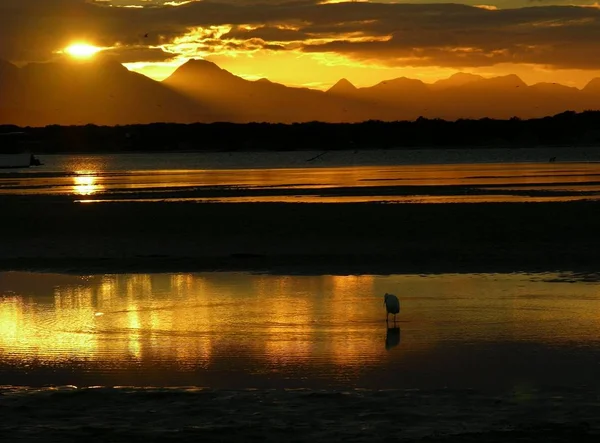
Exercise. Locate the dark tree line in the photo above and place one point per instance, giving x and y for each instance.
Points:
(566, 129)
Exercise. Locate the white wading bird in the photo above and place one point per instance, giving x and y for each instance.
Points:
(392, 305)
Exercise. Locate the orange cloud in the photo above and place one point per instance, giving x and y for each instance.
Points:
(389, 34)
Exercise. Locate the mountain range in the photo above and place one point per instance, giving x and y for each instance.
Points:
(106, 93)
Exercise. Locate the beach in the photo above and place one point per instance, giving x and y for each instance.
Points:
(168, 357)
(58, 234)
(131, 415)
(145, 307)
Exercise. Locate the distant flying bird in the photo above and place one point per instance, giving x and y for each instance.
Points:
(146, 35)
(392, 305)
(317, 156)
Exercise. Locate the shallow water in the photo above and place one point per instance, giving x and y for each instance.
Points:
(307, 159)
(428, 176)
(237, 330)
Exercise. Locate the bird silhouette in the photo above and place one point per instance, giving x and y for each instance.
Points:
(392, 305)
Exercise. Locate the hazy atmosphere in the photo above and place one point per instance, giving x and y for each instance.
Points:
(303, 221)
(210, 60)
(315, 43)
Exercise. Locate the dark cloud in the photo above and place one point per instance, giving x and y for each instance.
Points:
(252, 45)
(269, 33)
(564, 37)
(421, 34)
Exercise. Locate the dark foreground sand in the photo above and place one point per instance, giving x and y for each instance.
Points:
(148, 415)
(57, 234)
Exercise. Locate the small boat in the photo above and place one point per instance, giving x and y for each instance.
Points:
(14, 152)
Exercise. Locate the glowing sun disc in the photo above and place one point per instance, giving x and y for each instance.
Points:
(82, 50)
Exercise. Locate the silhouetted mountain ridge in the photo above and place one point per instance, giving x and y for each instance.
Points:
(106, 93)
(593, 86)
(458, 79)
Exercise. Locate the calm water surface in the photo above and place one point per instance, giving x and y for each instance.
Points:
(238, 330)
(423, 176)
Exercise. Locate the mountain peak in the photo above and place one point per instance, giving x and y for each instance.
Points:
(593, 85)
(196, 63)
(463, 78)
(404, 84)
(196, 70)
(510, 80)
(400, 81)
(457, 79)
(343, 86)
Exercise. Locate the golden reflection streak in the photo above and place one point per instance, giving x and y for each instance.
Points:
(11, 314)
(134, 326)
(345, 309)
(510, 175)
(85, 183)
(193, 317)
(53, 335)
(285, 321)
(289, 328)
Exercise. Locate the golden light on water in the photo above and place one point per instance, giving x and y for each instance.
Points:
(82, 50)
(92, 182)
(85, 184)
(282, 325)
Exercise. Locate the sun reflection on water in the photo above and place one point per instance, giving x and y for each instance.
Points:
(85, 183)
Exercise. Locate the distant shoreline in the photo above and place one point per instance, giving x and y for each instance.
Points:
(299, 265)
(398, 148)
(568, 129)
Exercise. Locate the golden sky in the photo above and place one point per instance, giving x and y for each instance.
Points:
(315, 43)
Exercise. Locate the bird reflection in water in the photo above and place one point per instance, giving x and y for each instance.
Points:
(392, 306)
(392, 338)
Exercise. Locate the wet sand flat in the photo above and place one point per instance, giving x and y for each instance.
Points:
(519, 365)
(131, 415)
(56, 233)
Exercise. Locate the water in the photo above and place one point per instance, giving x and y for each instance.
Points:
(302, 159)
(240, 330)
(400, 176)
(533, 340)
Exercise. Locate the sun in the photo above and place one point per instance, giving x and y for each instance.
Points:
(82, 50)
